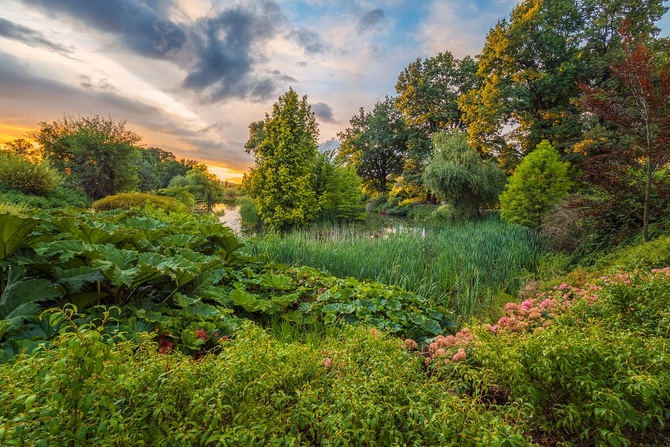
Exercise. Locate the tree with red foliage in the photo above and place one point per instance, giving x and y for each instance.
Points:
(634, 109)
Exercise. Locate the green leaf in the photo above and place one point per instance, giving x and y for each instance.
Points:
(20, 290)
(14, 233)
(276, 281)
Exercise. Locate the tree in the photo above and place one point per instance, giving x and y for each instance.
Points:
(24, 148)
(539, 183)
(531, 67)
(460, 178)
(634, 114)
(375, 145)
(206, 187)
(96, 154)
(428, 92)
(281, 183)
(338, 189)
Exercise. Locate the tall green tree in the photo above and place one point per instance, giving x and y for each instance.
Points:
(460, 177)
(375, 144)
(428, 93)
(338, 189)
(281, 182)
(529, 67)
(95, 153)
(539, 183)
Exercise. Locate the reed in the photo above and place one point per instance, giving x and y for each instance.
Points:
(462, 267)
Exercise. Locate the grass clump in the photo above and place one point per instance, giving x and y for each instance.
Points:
(129, 200)
(461, 267)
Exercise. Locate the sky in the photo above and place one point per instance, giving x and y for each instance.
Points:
(189, 76)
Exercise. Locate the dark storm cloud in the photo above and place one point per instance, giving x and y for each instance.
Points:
(308, 40)
(323, 112)
(136, 23)
(29, 36)
(224, 59)
(370, 20)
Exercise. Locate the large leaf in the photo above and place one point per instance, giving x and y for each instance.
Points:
(15, 232)
(251, 302)
(75, 279)
(20, 290)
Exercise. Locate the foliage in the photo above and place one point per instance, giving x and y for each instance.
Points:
(538, 184)
(460, 178)
(96, 154)
(249, 213)
(458, 267)
(428, 92)
(205, 187)
(281, 182)
(355, 388)
(637, 118)
(531, 65)
(24, 149)
(375, 145)
(338, 190)
(129, 200)
(61, 197)
(28, 177)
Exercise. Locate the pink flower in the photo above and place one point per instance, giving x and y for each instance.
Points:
(460, 355)
(527, 304)
(510, 307)
(326, 363)
(563, 286)
(504, 321)
(440, 353)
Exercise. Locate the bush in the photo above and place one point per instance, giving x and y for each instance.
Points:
(61, 197)
(126, 201)
(249, 213)
(27, 177)
(538, 184)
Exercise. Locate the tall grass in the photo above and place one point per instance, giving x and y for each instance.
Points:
(462, 267)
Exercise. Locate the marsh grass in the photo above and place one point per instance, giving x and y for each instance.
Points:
(462, 267)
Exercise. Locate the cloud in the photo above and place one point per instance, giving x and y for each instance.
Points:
(370, 20)
(310, 41)
(323, 112)
(224, 52)
(135, 22)
(30, 37)
(329, 145)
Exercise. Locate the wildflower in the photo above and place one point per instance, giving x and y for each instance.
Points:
(374, 332)
(563, 286)
(440, 352)
(527, 304)
(460, 355)
(326, 363)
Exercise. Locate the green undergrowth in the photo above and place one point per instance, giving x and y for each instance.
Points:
(178, 276)
(461, 267)
(240, 352)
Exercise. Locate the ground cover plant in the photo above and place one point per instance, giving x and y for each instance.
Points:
(176, 275)
(462, 267)
(584, 363)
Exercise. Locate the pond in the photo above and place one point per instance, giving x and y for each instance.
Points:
(231, 217)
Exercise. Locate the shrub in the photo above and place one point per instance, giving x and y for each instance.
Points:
(126, 201)
(249, 213)
(27, 177)
(538, 184)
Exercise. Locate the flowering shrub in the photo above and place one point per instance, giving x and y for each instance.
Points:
(449, 348)
(535, 314)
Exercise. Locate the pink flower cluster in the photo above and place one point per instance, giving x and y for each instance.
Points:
(535, 314)
(449, 347)
(618, 278)
(665, 270)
